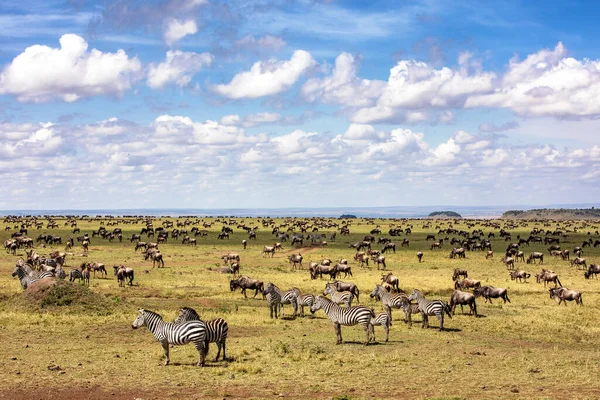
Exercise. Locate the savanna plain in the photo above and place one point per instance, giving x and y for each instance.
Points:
(85, 347)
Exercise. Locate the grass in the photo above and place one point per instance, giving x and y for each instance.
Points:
(530, 348)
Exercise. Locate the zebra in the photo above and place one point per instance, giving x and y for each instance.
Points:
(305, 300)
(345, 316)
(338, 297)
(216, 329)
(24, 278)
(177, 334)
(75, 274)
(389, 300)
(381, 319)
(277, 298)
(430, 307)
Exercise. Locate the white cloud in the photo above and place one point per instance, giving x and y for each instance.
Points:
(252, 120)
(343, 86)
(178, 68)
(176, 30)
(42, 73)
(266, 78)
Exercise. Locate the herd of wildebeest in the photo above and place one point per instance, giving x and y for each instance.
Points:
(39, 259)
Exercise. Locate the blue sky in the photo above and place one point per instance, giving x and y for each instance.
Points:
(306, 103)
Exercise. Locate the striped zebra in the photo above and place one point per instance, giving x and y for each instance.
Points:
(216, 329)
(430, 307)
(389, 300)
(305, 300)
(177, 334)
(24, 278)
(75, 274)
(277, 298)
(345, 316)
(382, 319)
(338, 297)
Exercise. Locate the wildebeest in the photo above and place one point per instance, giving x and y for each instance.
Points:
(295, 260)
(345, 268)
(490, 292)
(459, 273)
(323, 270)
(535, 256)
(379, 260)
(593, 269)
(509, 262)
(489, 254)
(123, 273)
(245, 282)
(467, 283)
(578, 261)
(563, 294)
(347, 287)
(463, 298)
(388, 246)
(362, 258)
(420, 255)
(547, 276)
(96, 266)
(520, 275)
(268, 250)
(392, 280)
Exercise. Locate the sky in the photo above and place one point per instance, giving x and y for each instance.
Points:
(298, 103)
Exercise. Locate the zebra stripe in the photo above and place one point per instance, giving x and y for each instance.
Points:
(345, 316)
(338, 297)
(177, 334)
(430, 307)
(75, 274)
(216, 329)
(276, 298)
(382, 319)
(24, 278)
(389, 300)
(305, 300)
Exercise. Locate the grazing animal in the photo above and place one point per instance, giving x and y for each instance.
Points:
(123, 273)
(563, 295)
(323, 270)
(345, 268)
(338, 297)
(295, 260)
(216, 329)
(389, 300)
(268, 250)
(578, 261)
(276, 298)
(547, 276)
(305, 300)
(177, 334)
(95, 266)
(345, 316)
(381, 319)
(593, 269)
(409, 309)
(244, 282)
(509, 262)
(389, 246)
(392, 280)
(463, 298)
(379, 260)
(420, 255)
(430, 307)
(535, 256)
(490, 292)
(489, 254)
(520, 275)
(459, 273)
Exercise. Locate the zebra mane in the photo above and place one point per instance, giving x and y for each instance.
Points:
(152, 313)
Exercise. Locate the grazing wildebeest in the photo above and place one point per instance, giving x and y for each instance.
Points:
(123, 273)
(419, 255)
(95, 266)
(436, 245)
(323, 270)
(268, 250)
(593, 269)
(535, 256)
(578, 261)
(467, 283)
(345, 268)
(563, 295)
(389, 246)
(509, 262)
(362, 258)
(463, 298)
(490, 292)
(392, 280)
(459, 273)
(223, 235)
(405, 242)
(565, 254)
(244, 243)
(520, 275)
(244, 282)
(489, 254)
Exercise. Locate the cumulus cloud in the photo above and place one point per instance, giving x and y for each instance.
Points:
(178, 68)
(266, 78)
(252, 120)
(490, 127)
(71, 72)
(343, 86)
(176, 29)
(259, 44)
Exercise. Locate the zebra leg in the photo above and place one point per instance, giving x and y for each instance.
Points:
(441, 318)
(425, 323)
(165, 346)
(223, 343)
(202, 349)
(368, 329)
(338, 332)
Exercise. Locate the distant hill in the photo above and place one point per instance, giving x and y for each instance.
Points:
(554, 213)
(347, 216)
(444, 214)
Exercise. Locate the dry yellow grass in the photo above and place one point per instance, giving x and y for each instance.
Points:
(530, 348)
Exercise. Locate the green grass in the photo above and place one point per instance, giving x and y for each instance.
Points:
(530, 348)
